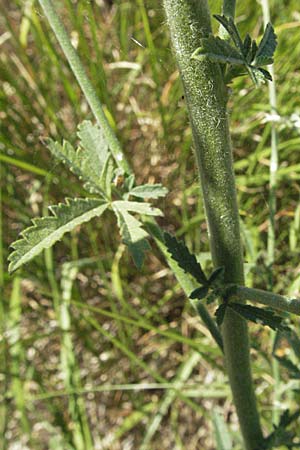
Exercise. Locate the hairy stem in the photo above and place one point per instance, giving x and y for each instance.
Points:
(206, 95)
(84, 82)
(276, 301)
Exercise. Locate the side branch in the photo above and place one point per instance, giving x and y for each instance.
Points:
(276, 301)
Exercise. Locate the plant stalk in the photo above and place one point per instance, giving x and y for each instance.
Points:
(85, 84)
(275, 301)
(206, 96)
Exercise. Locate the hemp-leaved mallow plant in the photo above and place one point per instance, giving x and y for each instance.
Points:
(207, 65)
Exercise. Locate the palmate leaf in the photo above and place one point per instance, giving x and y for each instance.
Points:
(250, 51)
(131, 229)
(47, 231)
(246, 54)
(187, 261)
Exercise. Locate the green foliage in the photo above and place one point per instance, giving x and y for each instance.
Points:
(287, 361)
(131, 229)
(89, 162)
(218, 50)
(148, 191)
(259, 315)
(93, 142)
(281, 436)
(222, 433)
(214, 287)
(266, 48)
(220, 313)
(216, 278)
(187, 261)
(293, 370)
(46, 231)
(200, 292)
(243, 56)
(92, 163)
(254, 314)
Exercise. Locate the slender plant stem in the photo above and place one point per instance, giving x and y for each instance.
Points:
(97, 110)
(206, 96)
(84, 82)
(276, 301)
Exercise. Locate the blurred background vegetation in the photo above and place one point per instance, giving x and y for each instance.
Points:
(94, 354)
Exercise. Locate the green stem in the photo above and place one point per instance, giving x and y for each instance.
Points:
(206, 95)
(276, 301)
(84, 82)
